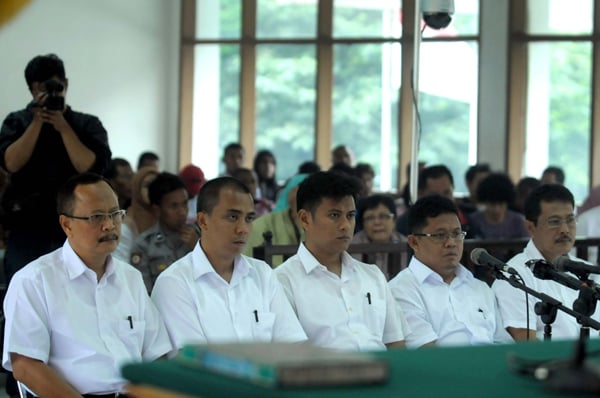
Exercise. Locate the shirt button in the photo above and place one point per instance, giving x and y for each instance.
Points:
(349, 308)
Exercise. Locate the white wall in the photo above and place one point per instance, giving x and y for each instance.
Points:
(122, 61)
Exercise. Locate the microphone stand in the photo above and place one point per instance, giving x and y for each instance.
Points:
(574, 375)
(549, 304)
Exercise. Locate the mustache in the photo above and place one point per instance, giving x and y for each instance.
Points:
(108, 238)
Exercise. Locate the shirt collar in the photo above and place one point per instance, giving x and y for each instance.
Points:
(76, 267)
(532, 252)
(202, 265)
(422, 272)
(310, 262)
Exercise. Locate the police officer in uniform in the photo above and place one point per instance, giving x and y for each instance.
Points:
(169, 239)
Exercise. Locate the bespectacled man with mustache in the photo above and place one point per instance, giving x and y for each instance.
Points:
(75, 315)
(550, 220)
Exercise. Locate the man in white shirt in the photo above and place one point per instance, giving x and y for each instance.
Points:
(216, 294)
(441, 300)
(550, 220)
(76, 315)
(340, 302)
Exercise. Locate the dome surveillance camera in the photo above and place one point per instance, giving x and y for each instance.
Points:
(437, 13)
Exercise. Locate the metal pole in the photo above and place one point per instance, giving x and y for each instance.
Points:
(414, 150)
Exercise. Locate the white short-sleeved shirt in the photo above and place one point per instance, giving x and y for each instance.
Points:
(355, 311)
(512, 300)
(59, 313)
(463, 312)
(199, 306)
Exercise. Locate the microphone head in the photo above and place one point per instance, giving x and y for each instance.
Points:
(476, 254)
(539, 268)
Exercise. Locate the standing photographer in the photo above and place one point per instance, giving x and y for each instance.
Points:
(42, 146)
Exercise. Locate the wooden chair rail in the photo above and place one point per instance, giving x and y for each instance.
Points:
(398, 252)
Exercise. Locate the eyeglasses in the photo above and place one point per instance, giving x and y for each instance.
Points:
(100, 218)
(378, 217)
(442, 237)
(557, 222)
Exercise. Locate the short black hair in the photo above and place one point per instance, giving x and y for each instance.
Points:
(363, 168)
(496, 188)
(163, 184)
(527, 184)
(208, 197)
(371, 202)
(428, 207)
(433, 172)
(557, 171)
(326, 184)
(475, 169)
(145, 157)
(233, 146)
(65, 199)
(44, 67)
(342, 168)
(545, 193)
(309, 167)
(111, 171)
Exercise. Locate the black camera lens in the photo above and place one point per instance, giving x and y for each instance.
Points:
(53, 86)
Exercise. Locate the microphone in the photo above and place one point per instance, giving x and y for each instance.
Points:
(544, 270)
(581, 269)
(481, 256)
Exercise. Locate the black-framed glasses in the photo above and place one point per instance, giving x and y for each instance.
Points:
(442, 237)
(100, 218)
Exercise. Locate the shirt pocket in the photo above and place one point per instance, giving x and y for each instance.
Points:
(262, 326)
(374, 315)
(131, 333)
(482, 323)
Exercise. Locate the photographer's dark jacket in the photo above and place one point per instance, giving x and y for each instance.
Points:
(29, 203)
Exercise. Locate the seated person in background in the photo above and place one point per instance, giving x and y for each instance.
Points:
(442, 302)
(266, 180)
(248, 177)
(495, 221)
(170, 238)
(376, 218)
(342, 154)
(193, 178)
(553, 175)
(366, 174)
(474, 175)
(76, 315)
(234, 156)
(523, 189)
(550, 220)
(148, 159)
(282, 223)
(216, 294)
(140, 215)
(120, 174)
(340, 302)
(309, 167)
(436, 180)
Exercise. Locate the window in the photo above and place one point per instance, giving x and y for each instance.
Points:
(292, 110)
